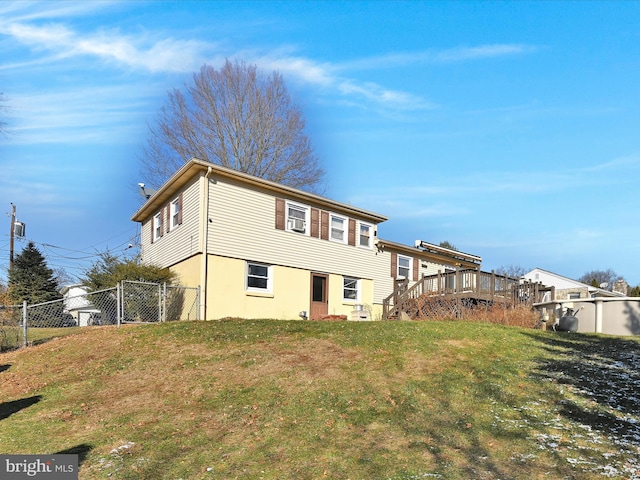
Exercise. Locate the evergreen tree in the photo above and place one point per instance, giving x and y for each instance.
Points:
(30, 279)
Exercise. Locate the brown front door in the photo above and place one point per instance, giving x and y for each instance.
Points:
(319, 303)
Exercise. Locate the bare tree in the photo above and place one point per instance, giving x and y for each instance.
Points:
(596, 278)
(513, 271)
(235, 117)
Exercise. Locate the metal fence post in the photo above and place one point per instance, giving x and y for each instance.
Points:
(24, 323)
(118, 303)
(163, 305)
(198, 303)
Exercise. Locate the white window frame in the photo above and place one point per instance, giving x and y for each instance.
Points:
(157, 226)
(409, 268)
(174, 213)
(290, 221)
(360, 236)
(269, 277)
(351, 289)
(345, 228)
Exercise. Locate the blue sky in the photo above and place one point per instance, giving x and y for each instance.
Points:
(510, 129)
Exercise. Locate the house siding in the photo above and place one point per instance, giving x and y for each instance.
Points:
(188, 271)
(183, 241)
(242, 225)
(290, 295)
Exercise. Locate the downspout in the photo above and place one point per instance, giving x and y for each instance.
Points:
(204, 247)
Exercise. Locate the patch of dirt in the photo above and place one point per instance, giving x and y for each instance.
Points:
(29, 369)
(300, 363)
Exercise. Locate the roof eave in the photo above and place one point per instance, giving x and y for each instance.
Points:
(193, 166)
(449, 257)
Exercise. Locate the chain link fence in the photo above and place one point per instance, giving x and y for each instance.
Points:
(129, 302)
(11, 331)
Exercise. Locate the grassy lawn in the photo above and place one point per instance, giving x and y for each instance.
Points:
(309, 400)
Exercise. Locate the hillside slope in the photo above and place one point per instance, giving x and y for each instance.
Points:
(308, 400)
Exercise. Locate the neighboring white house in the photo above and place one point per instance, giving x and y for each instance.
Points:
(76, 302)
(597, 310)
(567, 288)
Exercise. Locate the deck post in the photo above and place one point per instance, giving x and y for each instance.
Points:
(476, 282)
(493, 285)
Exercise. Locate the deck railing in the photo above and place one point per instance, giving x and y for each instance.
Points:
(487, 286)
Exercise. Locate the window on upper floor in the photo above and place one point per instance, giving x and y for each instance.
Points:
(157, 225)
(404, 266)
(350, 289)
(365, 235)
(338, 228)
(175, 213)
(259, 277)
(297, 219)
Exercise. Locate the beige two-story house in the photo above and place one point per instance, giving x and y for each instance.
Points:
(259, 249)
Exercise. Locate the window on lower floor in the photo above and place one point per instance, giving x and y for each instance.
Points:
(259, 277)
(350, 289)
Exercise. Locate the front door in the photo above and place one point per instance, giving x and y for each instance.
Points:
(319, 303)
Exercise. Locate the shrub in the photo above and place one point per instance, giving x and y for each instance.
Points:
(432, 307)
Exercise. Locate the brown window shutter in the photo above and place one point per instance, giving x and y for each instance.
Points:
(168, 215)
(315, 223)
(352, 232)
(152, 229)
(280, 213)
(324, 226)
(180, 209)
(416, 269)
(394, 265)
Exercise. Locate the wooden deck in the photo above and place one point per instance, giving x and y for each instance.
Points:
(472, 284)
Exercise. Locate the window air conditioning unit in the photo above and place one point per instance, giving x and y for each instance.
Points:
(296, 224)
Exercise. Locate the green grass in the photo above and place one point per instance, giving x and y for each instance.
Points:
(307, 400)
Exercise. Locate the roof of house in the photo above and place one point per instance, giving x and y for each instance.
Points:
(65, 289)
(195, 166)
(434, 253)
(574, 283)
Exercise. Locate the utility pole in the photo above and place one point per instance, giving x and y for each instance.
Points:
(12, 232)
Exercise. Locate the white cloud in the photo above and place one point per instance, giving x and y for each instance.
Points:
(324, 76)
(504, 192)
(21, 11)
(79, 115)
(154, 53)
(616, 164)
(451, 55)
(165, 55)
